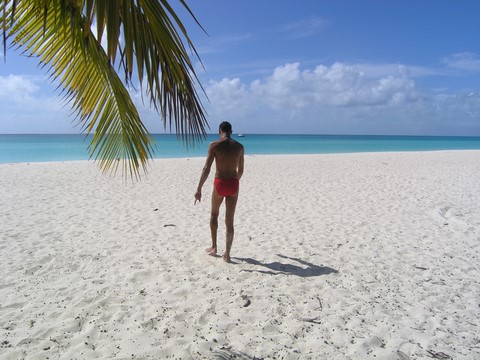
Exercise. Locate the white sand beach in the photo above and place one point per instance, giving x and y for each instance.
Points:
(344, 256)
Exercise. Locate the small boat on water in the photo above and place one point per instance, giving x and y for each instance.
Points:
(240, 135)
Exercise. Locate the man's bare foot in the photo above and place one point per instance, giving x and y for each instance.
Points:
(226, 258)
(211, 251)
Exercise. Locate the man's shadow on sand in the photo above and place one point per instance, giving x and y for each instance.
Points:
(278, 268)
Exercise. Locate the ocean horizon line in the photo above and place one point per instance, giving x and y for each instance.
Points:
(65, 147)
(262, 134)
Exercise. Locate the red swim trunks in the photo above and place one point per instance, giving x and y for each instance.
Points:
(226, 187)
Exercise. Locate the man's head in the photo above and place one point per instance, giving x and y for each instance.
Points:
(225, 127)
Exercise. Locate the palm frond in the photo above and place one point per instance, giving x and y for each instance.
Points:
(98, 97)
(59, 33)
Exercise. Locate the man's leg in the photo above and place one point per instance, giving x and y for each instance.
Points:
(231, 204)
(216, 202)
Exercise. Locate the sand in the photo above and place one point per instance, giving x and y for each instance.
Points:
(344, 256)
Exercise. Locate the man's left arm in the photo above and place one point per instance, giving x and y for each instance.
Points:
(240, 164)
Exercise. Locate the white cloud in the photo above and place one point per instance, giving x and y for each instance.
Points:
(463, 61)
(230, 95)
(340, 99)
(337, 85)
(26, 110)
(27, 93)
(17, 87)
(380, 70)
(304, 28)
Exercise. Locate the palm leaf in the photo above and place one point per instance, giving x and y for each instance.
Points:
(59, 33)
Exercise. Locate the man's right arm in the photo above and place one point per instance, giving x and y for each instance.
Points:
(205, 172)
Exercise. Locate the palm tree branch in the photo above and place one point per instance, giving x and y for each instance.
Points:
(98, 97)
(152, 45)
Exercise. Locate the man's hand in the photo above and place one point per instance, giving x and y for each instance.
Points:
(198, 196)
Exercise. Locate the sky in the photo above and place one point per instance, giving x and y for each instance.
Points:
(396, 67)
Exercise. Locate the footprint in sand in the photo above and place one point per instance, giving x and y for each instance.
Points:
(33, 270)
(448, 214)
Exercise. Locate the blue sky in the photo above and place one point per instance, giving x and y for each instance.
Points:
(305, 66)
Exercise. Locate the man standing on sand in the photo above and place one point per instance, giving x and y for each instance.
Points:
(228, 156)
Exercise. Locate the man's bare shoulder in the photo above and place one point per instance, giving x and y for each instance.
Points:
(214, 144)
(225, 146)
(236, 143)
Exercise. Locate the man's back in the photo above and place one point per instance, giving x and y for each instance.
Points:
(228, 158)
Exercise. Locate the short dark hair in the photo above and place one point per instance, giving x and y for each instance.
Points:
(225, 127)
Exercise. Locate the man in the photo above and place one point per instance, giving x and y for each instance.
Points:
(228, 155)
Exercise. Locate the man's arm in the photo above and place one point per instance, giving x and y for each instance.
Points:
(240, 164)
(205, 173)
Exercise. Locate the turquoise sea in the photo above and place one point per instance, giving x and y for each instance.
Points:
(45, 148)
